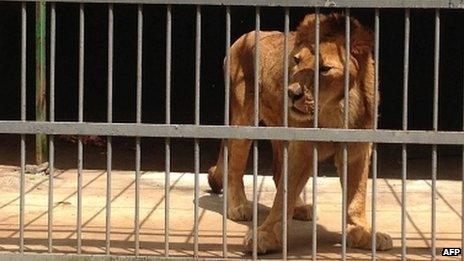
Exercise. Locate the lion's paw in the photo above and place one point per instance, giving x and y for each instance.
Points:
(240, 212)
(266, 242)
(303, 213)
(383, 241)
(360, 237)
(214, 183)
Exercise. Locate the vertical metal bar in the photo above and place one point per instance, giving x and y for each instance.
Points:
(139, 63)
(41, 83)
(404, 172)
(81, 62)
(255, 142)
(285, 143)
(23, 59)
(436, 69)
(346, 101)
(404, 155)
(462, 175)
(138, 120)
(225, 171)
(316, 125)
(346, 121)
(434, 206)
(374, 201)
(435, 128)
(344, 196)
(51, 151)
(374, 149)
(80, 146)
(23, 118)
(109, 148)
(22, 195)
(197, 122)
(167, 163)
(316, 68)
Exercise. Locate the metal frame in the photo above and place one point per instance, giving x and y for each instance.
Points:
(374, 146)
(225, 132)
(457, 4)
(51, 146)
(404, 155)
(234, 132)
(256, 124)
(109, 148)
(167, 164)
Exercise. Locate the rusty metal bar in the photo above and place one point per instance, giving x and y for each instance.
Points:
(40, 78)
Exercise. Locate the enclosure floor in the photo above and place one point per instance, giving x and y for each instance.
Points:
(152, 210)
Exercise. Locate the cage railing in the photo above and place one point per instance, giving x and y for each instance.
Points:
(197, 131)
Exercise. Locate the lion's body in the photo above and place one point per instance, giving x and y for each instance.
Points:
(301, 114)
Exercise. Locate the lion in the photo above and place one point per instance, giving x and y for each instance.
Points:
(301, 107)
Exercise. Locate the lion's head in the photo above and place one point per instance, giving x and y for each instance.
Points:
(331, 63)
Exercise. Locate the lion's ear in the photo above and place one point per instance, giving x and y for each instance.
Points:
(362, 41)
(305, 30)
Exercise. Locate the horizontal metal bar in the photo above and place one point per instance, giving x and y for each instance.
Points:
(92, 257)
(233, 132)
(455, 4)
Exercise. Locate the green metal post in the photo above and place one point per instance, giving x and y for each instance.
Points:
(40, 82)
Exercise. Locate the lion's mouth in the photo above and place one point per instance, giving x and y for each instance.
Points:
(294, 109)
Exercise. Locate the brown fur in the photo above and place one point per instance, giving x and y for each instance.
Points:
(331, 100)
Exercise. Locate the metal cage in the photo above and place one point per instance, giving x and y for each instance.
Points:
(197, 131)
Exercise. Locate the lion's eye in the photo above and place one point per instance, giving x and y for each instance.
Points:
(324, 69)
(296, 58)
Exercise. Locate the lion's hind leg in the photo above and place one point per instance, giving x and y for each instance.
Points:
(241, 113)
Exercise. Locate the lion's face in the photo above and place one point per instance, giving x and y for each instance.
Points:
(331, 66)
(331, 78)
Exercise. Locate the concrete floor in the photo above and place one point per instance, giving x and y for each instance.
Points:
(152, 211)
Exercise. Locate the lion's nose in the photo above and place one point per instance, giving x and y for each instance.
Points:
(295, 92)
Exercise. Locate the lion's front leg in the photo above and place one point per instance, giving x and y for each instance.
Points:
(269, 234)
(359, 233)
(302, 211)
